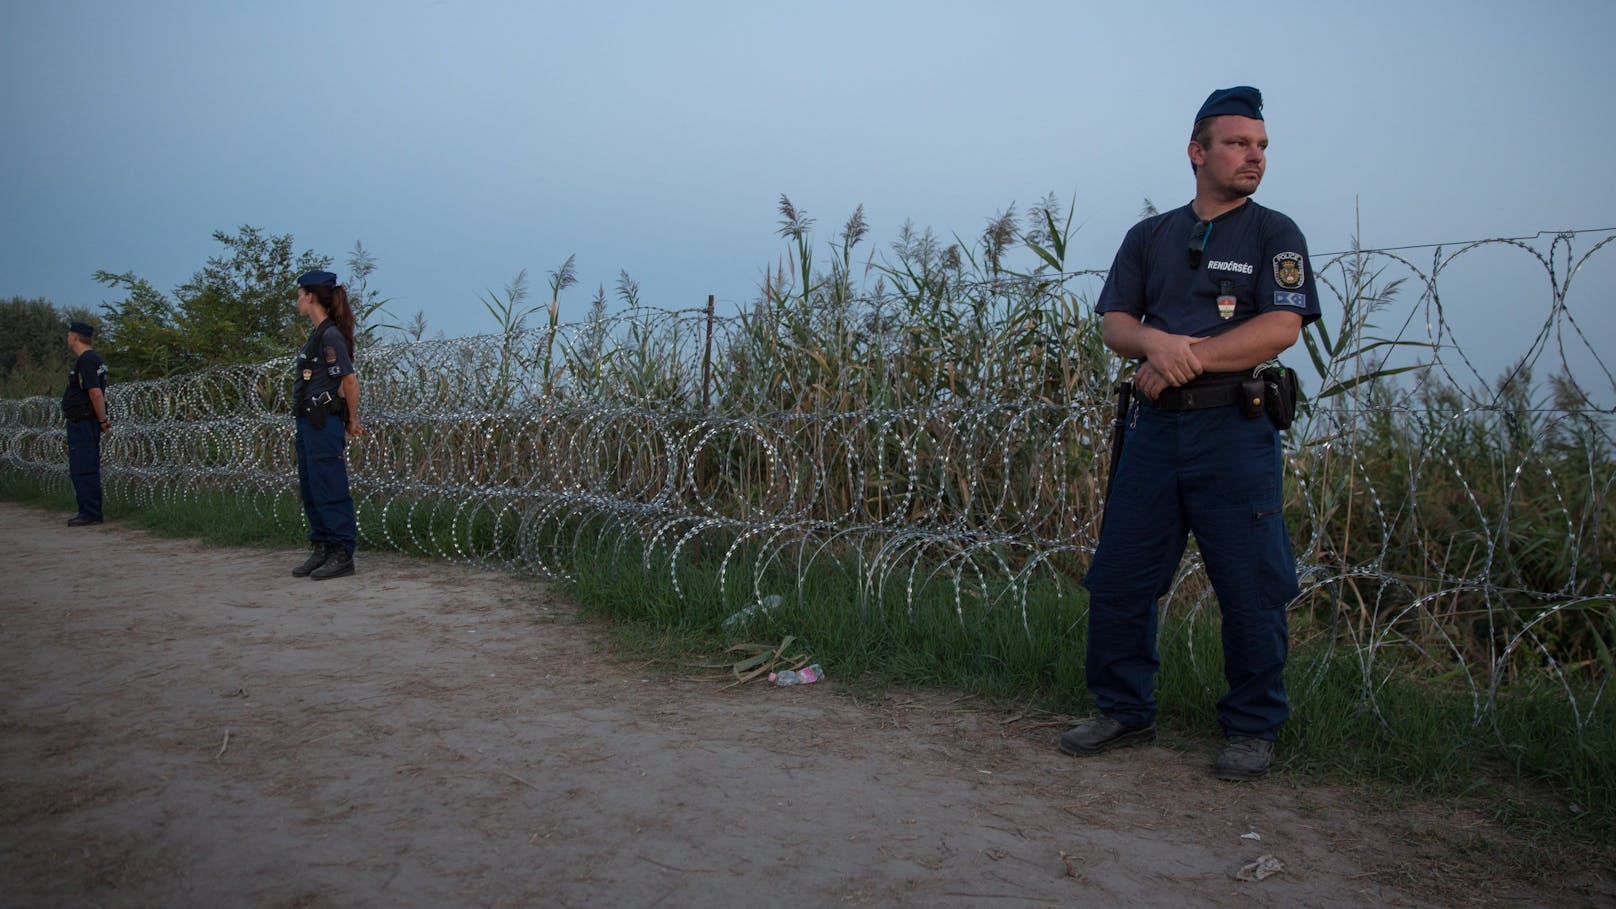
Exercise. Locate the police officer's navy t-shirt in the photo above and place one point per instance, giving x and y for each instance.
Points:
(1254, 261)
(323, 361)
(89, 371)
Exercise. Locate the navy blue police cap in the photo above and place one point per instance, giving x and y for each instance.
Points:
(317, 279)
(82, 329)
(1241, 101)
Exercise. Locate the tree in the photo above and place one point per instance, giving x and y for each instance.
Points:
(141, 333)
(242, 308)
(239, 308)
(34, 358)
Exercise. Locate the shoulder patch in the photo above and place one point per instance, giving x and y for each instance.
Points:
(1288, 270)
(331, 355)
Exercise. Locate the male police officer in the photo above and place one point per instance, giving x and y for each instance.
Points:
(1203, 295)
(84, 406)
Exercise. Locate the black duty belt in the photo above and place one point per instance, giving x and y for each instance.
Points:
(1204, 393)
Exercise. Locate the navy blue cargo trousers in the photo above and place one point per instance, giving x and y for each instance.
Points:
(1218, 474)
(322, 480)
(84, 465)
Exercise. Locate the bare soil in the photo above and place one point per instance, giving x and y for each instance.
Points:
(182, 725)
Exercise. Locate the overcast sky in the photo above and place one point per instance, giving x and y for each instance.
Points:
(464, 141)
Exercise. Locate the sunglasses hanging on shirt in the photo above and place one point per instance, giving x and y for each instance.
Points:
(1198, 238)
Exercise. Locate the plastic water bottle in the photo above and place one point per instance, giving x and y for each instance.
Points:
(740, 618)
(806, 676)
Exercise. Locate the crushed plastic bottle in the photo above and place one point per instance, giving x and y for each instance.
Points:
(806, 676)
(756, 609)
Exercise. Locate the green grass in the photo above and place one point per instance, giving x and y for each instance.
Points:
(55, 493)
(217, 517)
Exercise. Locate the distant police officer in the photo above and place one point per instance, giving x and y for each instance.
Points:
(326, 399)
(1203, 295)
(84, 406)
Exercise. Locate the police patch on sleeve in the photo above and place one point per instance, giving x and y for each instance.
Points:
(1288, 270)
(331, 352)
(1290, 298)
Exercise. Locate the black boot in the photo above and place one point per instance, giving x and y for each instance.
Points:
(318, 555)
(340, 564)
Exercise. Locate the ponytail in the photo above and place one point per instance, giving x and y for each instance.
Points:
(334, 299)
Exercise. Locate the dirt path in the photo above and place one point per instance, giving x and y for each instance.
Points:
(190, 726)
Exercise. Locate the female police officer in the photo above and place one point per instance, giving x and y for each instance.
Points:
(326, 401)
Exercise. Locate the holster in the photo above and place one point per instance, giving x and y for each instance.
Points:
(78, 412)
(322, 405)
(1124, 392)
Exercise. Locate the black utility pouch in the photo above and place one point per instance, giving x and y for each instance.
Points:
(1280, 393)
(321, 406)
(1252, 395)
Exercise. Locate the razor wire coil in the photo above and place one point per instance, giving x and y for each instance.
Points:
(983, 478)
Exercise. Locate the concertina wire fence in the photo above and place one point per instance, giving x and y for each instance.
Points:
(1438, 521)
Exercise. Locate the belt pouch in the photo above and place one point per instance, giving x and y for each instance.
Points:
(1252, 397)
(1280, 393)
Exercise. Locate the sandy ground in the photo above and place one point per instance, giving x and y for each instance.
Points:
(191, 726)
